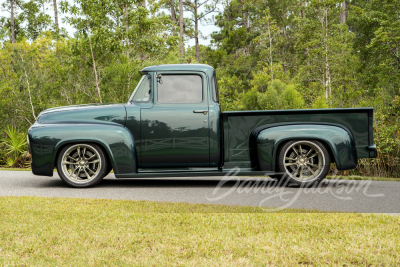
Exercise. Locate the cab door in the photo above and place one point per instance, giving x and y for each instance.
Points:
(175, 130)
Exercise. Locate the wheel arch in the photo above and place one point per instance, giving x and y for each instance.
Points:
(338, 141)
(116, 141)
(99, 143)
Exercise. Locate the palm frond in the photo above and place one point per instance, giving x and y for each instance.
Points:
(15, 143)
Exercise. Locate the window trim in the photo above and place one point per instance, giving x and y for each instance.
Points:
(214, 87)
(150, 94)
(182, 74)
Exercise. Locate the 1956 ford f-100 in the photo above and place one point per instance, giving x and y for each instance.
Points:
(172, 126)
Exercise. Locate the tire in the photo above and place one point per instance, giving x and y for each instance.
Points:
(109, 169)
(82, 165)
(303, 163)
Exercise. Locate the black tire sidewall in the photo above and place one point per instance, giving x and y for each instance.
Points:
(291, 181)
(104, 167)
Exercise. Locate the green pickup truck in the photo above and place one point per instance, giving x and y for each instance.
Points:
(172, 126)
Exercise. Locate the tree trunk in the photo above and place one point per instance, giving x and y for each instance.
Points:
(328, 90)
(173, 15)
(245, 19)
(303, 13)
(126, 30)
(284, 50)
(29, 89)
(143, 56)
(228, 17)
(12, 23)
(181, 27)
(343, 14)
(94, 62)
(196, 31)
(55, 14)
(270, 50)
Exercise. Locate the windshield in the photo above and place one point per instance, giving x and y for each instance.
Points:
(142, 91)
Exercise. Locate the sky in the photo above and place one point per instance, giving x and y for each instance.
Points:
(205, 29)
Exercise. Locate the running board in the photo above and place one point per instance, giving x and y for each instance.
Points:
(231, 172)
(185, 169)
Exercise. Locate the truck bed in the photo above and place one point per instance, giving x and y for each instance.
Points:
(238, 126)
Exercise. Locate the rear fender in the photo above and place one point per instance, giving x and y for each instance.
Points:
(266, 142)
(47, 140)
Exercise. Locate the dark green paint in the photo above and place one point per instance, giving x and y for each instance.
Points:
(93, 113)
(145, 139)
(238, 127)
(172, 135)
(47, 139)
(208, 70)
(339, 141)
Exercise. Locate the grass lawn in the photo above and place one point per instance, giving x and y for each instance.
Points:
(79, 232)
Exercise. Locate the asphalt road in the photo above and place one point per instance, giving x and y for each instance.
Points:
(343, 195)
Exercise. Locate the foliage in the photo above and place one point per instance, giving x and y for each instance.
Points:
(277, 95)
(15, 147)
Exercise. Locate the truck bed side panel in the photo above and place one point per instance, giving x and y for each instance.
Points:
(239, 125)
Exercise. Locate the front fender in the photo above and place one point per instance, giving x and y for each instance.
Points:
(47, 139)
(339, 140)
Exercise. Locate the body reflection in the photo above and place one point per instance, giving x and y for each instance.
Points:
(169, 140)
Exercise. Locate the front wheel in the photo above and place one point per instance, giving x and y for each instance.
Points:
(303, 162)
(82, 165)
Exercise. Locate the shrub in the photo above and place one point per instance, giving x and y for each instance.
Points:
(15, 148)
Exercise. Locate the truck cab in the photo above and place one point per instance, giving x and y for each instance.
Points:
(176, 108)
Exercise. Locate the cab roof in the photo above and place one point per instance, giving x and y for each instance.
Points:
(179, 67)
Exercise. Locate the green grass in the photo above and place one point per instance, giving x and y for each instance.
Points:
(80, 232)
(18, 169)
(15, 169)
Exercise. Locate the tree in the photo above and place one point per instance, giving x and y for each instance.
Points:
(55, 14)
(173, 15)
(268, 38)
(35, 17)
(193, 6)
(12, 22)
(9, 26)
(108, 28)
(378, 29)
(181, 28)
(343, 12)
(328, 46)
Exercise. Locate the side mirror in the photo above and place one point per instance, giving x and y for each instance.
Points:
(159, 76)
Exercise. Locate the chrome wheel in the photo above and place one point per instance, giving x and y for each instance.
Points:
(81, 163)
(304, 161)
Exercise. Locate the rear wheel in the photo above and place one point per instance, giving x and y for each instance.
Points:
(303, 162)
(82, 165)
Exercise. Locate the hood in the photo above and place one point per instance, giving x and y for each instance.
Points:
(89, 113)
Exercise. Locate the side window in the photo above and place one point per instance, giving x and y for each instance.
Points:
(180, 89)
(214, 89)
(142, 93)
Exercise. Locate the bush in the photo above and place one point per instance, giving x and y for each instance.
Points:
(15, 146)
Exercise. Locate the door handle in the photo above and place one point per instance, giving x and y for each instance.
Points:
(200, 111)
